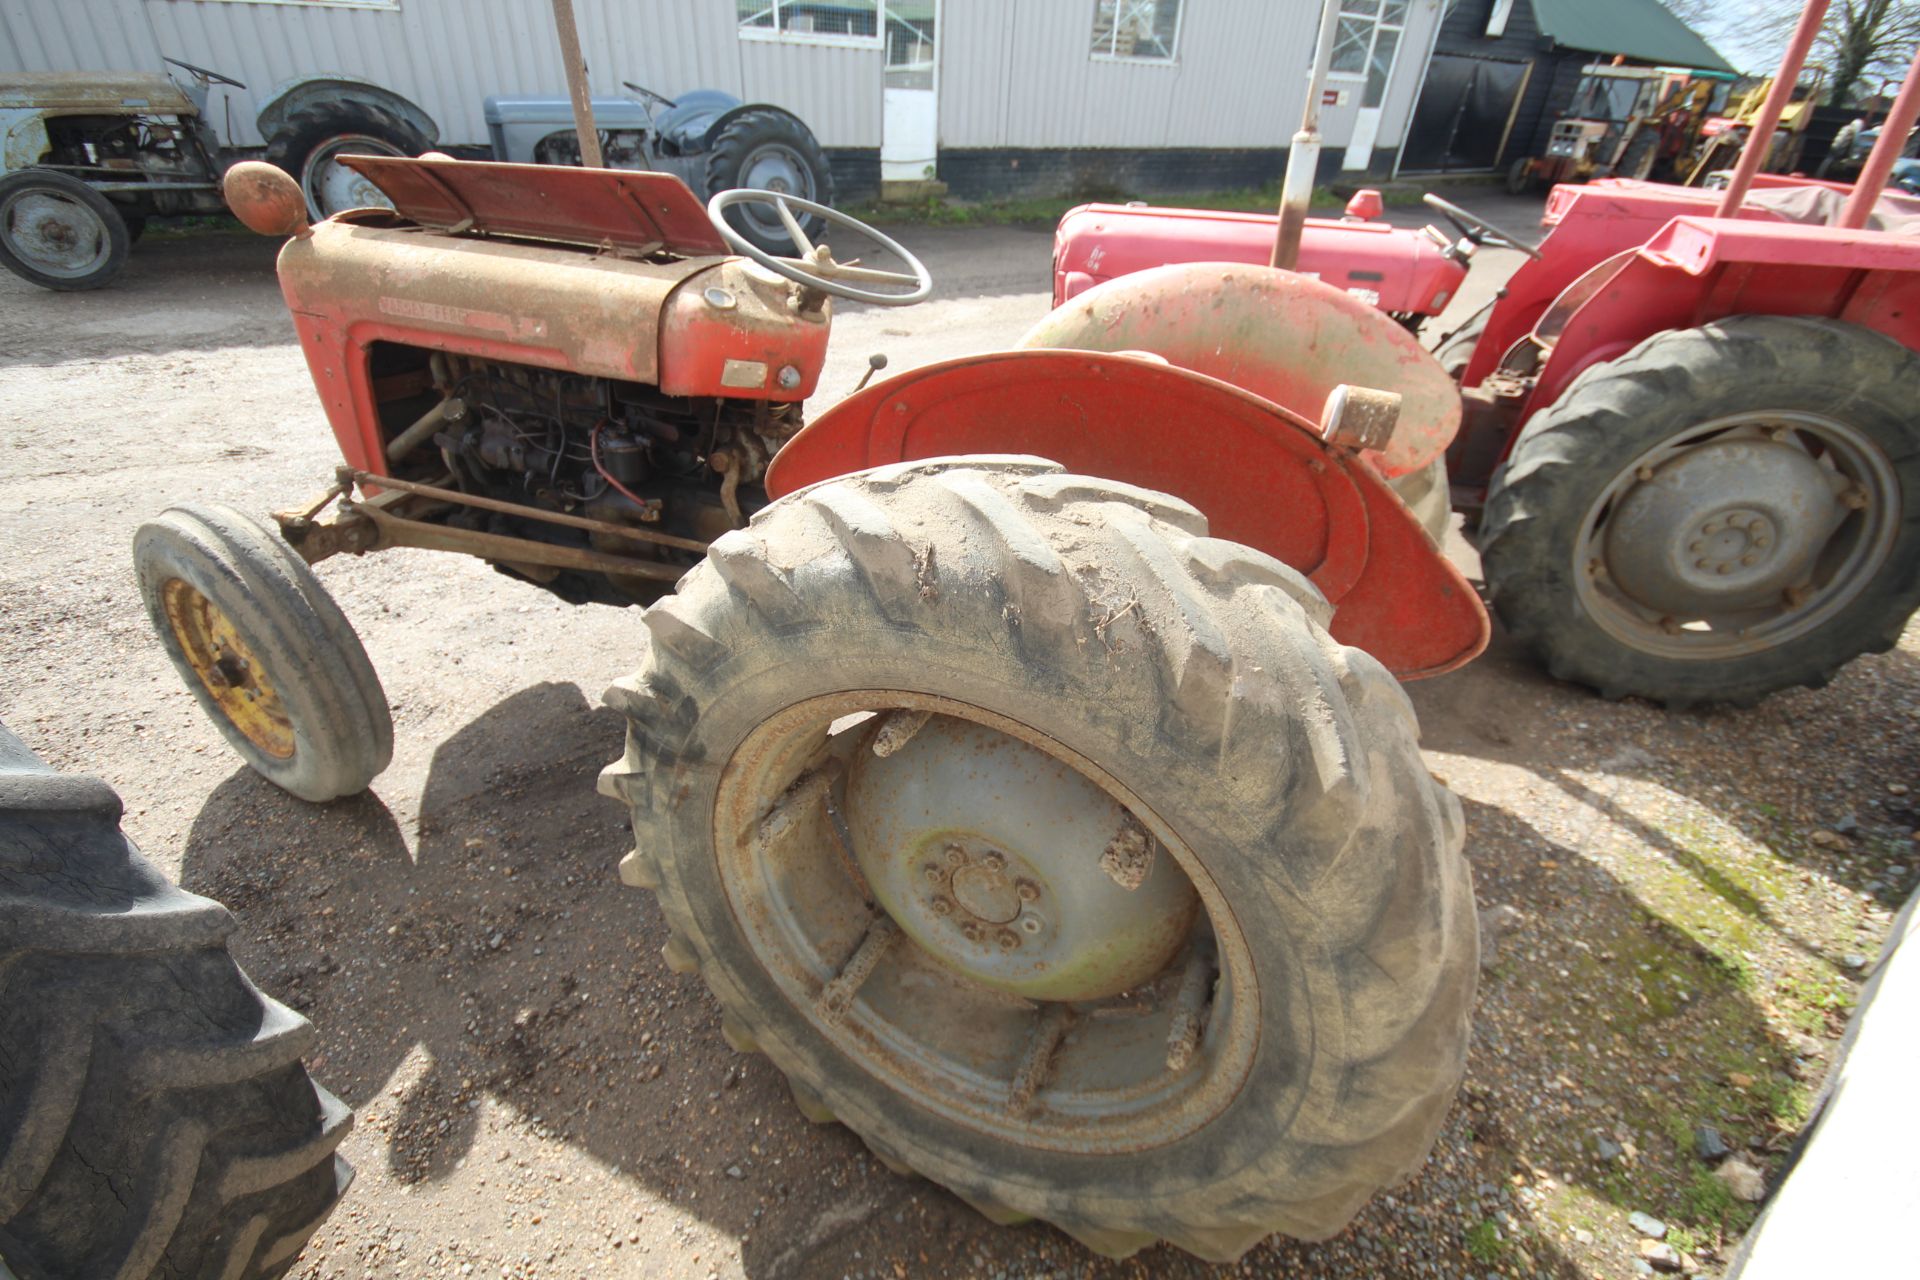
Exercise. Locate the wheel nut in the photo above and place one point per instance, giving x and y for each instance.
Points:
(1760, 539)
(970, 931)
(942, 907)
(1703, 564)
(1724, 568)
(1009, 940)
(1028, 891)
(1711, 526)
(1697, 547)
(993, 862)
(934, 873)
(1748, 558)
(956, 856)
(1644, 474)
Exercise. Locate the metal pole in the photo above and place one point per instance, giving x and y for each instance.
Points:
(1886, 149)
(1303, 157)
(1760, 141)
(577, 85)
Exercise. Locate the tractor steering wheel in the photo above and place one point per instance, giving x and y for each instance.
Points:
(1478, 229)
(212, 76)
(815, 267)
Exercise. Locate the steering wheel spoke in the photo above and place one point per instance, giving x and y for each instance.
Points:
(794, 229)
(814, 267)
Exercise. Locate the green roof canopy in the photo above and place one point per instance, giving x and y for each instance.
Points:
(1640, 29)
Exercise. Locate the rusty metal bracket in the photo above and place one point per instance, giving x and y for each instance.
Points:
(530, 513)
(394, 530)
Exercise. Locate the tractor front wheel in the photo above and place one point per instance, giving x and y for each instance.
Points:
(58, 232)
(1054, 848)
(1719, 514)
(265, 650)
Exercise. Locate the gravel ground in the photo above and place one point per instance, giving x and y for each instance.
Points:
(1683, 902)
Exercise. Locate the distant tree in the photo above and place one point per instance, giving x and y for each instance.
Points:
(1861, 43)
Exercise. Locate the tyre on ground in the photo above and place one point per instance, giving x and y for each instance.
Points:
(1520, 177)
(313, 139)
(1719, 514)
(770, 151)
(1056, 849)
(58, 232)
(265, 650)
(155, 1118)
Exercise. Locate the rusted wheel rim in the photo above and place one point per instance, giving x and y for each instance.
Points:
(965, 964)
(1737, 536)
(233, 676)
(331, 187)
(54, 233)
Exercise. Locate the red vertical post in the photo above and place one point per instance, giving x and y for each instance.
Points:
(1886, 149)
(1760, 141)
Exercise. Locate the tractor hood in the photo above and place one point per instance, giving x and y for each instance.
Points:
(111, 93)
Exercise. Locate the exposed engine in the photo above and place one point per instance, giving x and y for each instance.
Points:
(619, 148)
(619, 452)
(159, 149)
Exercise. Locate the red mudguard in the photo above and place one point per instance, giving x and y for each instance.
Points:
(1261, 474)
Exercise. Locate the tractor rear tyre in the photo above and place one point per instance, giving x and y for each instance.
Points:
(154, 1116)
(770, 151)
(265, 650)
(58, 232)
(1055, 848)
(1721, 513)
(313, 139)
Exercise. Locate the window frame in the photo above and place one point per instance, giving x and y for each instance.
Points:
(1135, 60)
(829, 39)
(1373, 42)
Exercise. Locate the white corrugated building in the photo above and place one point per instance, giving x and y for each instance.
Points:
(997, 97)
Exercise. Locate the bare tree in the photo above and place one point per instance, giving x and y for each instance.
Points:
(1861, 43)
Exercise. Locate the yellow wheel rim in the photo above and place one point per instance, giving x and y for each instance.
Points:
(235, 679)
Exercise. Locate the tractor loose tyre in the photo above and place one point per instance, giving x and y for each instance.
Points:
(314, 138)
(770, 151)
(59, 233)
(155, 1119)
(1721, 513)
(265, 650)
(1055, 848)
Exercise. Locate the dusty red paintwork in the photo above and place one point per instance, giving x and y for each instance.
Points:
(1275, 333)
(1260, 473)
(368, 276)
(619, 208)
(1384, 266)
(1696, 270)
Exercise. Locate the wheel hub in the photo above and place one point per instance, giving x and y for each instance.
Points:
(228, 668)
(987, 852)
(1724, 526)
(55, 234)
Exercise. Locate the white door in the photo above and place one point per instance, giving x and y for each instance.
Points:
(1366, 42)
(910, 96)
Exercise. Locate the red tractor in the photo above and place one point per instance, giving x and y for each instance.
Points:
(1015, 750)
(1689, 446)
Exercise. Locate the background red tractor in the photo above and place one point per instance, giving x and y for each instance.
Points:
(1689, 445)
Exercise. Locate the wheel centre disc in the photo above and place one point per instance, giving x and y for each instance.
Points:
(228, 668)
(1726, 525)
(988, 853)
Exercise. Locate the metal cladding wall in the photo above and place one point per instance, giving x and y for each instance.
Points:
(1016, 73)
(448, 55)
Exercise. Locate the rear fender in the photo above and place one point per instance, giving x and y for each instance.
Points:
(292, 96)
(1260, 473)
(1285, 337)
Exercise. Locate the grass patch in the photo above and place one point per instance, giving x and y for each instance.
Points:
(1483, 1241)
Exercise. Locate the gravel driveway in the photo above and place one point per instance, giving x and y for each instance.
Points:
(1683, 902)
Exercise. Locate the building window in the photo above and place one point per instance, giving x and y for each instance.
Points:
(1365, 41)
(842, 22)
(1136, 30)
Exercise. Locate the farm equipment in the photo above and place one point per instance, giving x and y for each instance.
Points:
(709, 139)
(1687, 441)
(87, 158)
(1015, 749)
(1628, 122)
